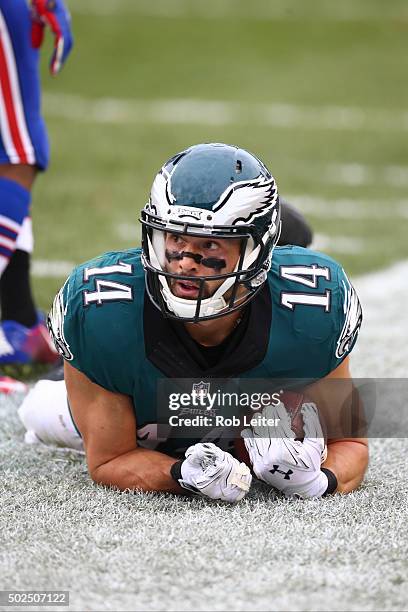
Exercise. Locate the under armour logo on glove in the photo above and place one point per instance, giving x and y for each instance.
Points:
(274, 452)
(286, 474)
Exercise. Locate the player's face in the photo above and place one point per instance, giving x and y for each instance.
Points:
(192, 256)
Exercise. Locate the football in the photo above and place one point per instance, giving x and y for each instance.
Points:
(293, 403)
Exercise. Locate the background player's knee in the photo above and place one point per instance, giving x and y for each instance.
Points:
(46, 416)
(14, 208)
(23, 174)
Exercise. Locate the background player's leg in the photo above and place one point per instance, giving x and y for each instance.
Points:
(23, 335)
(295, 228)
(24, 150)
(16, 301)
(14, 208)
(47, 418)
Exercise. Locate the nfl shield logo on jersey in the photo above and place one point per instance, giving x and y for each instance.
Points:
(201, 389)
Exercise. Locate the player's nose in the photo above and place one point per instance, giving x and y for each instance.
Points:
(188, 263)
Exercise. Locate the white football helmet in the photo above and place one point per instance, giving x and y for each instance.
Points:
(211, 190)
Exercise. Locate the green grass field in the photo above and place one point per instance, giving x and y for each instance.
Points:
(139, 87)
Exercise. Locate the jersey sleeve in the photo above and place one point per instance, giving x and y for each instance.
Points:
(349, 317)
(64, 320)
(96, 320)
(316, 316)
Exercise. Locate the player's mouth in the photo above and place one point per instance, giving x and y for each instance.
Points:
(186, 289)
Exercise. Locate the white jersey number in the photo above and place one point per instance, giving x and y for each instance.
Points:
(108, 291)
(308, 276)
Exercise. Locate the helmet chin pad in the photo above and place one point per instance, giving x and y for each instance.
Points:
(186, 309)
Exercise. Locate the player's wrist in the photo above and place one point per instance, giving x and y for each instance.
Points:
(175, 471)
(325, 483)
(312, 487)
(332, 482)
(177, 474)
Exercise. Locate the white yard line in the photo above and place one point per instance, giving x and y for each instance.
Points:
(129, 231)
(339, 244)
(43, 268)
(352, 174)
(207, 112)
(348, 208)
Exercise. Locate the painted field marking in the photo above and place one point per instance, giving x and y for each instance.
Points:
(44, 268)
(210, 112)
(339, 244)
(347, 208)
(352, 174)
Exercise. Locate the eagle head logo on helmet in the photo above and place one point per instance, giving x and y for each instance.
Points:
(212, 191)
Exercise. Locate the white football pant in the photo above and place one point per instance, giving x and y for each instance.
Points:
(46, 416)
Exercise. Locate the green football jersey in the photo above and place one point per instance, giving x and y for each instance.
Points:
(301, 325)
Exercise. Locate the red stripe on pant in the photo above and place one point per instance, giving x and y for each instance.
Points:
(8, 100)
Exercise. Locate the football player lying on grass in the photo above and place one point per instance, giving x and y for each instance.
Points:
(204, 297)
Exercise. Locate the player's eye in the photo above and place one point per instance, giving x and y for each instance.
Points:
(175, 239)
(211, 245)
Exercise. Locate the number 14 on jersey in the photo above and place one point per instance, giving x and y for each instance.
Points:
(307, 276)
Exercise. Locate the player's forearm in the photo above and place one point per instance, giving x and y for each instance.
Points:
(348, 460)
(143, 469)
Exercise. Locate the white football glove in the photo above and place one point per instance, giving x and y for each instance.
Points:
(213, 473)
(291, 466)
